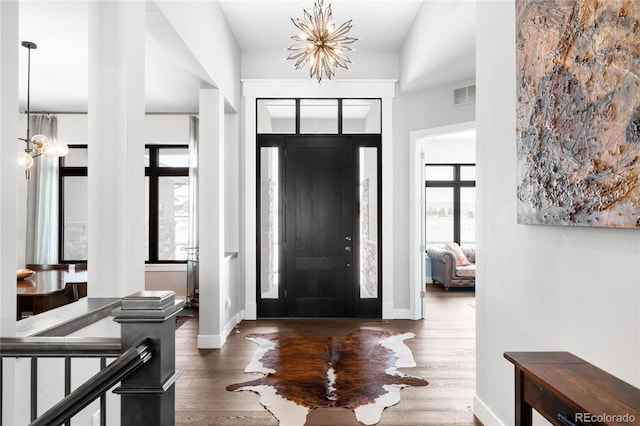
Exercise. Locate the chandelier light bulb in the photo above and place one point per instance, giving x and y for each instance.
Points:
(25, 161)
(40, 141)
(55, 150)
(323, 44)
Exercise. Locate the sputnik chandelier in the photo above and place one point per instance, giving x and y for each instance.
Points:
(323, 45)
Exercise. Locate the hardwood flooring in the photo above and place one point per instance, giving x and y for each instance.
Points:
(444, 350)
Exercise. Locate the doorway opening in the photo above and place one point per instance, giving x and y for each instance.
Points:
(319, 210)
(445, 149)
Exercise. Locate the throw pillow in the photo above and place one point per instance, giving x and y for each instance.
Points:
(461, 259)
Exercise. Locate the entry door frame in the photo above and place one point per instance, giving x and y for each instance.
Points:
(362, 307)
(252, 89)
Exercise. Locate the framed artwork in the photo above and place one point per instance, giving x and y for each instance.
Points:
(578, 112)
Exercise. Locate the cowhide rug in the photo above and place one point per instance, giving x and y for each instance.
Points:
(302, 372)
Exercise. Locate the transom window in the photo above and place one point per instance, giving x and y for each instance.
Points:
(319, 116)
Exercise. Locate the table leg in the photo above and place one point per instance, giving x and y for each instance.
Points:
(523, 410)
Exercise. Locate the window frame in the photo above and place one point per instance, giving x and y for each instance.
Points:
(154, 172)
(456, 183)
(67, 171)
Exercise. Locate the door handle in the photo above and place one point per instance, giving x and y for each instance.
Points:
(564, 420)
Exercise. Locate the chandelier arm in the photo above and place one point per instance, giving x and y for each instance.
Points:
(314, 70)
(327, 69)
(336, 59)
(29, 47)
(345, 40)
(302, 61)
(327, 17)
(342, 29)
(295, 55)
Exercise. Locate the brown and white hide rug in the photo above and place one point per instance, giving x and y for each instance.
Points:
(302, 372)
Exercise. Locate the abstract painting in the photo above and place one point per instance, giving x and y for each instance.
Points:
(578, 112)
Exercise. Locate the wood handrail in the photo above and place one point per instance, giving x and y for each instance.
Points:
(60, 347)
(100, 383)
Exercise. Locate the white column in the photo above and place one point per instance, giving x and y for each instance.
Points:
(116, 148)
(388, 283)
(9, 148)
(211, 214)
(9, 173)
(248, 208)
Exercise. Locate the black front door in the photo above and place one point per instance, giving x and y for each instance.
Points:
(319, 227)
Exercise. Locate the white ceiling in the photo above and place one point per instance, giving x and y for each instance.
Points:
(59, 65)
(379, 25)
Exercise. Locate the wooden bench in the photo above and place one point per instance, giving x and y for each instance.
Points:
(569, 391)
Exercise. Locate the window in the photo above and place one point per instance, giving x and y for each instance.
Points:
(450, 204)
(167, 203)
(73, 205)
(319, 116)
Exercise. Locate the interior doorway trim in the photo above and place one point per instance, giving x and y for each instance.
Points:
(417, 257)
(254, 89)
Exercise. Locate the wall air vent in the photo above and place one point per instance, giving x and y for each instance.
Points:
(464, 95)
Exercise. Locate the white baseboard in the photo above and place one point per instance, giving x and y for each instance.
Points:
(251, 311)
(387, 311)
(216, 341)
(484, 413)
(208, 341)
(403, 314)
(230, 325)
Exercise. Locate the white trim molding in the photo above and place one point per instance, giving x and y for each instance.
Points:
(208, 341)
(416, 192)
(484, 413)
(253, 89)
(311, 89)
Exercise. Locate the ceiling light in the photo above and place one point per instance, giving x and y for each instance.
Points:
(323, 45)
(38, 144)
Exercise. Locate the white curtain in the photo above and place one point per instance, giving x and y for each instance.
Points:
(42, 198)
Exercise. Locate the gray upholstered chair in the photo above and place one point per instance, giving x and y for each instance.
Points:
(446, 272)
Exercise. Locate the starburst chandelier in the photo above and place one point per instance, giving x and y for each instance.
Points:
(323, 45)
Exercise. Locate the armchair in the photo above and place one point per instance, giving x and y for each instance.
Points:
(445, 270)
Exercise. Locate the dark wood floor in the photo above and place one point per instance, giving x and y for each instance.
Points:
(444, 350)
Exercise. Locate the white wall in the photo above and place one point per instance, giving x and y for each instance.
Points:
(203, 28)
(539, 287)
(454, 149)
(411, 113)
(273, 65)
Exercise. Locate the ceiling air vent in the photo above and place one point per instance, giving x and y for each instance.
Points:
(464, 95)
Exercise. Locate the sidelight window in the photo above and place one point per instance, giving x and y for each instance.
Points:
(368, 222)
(270, 222)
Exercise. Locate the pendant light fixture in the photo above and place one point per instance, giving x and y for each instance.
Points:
(37, 145)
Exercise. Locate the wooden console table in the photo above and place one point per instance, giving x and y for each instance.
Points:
(568, 391)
